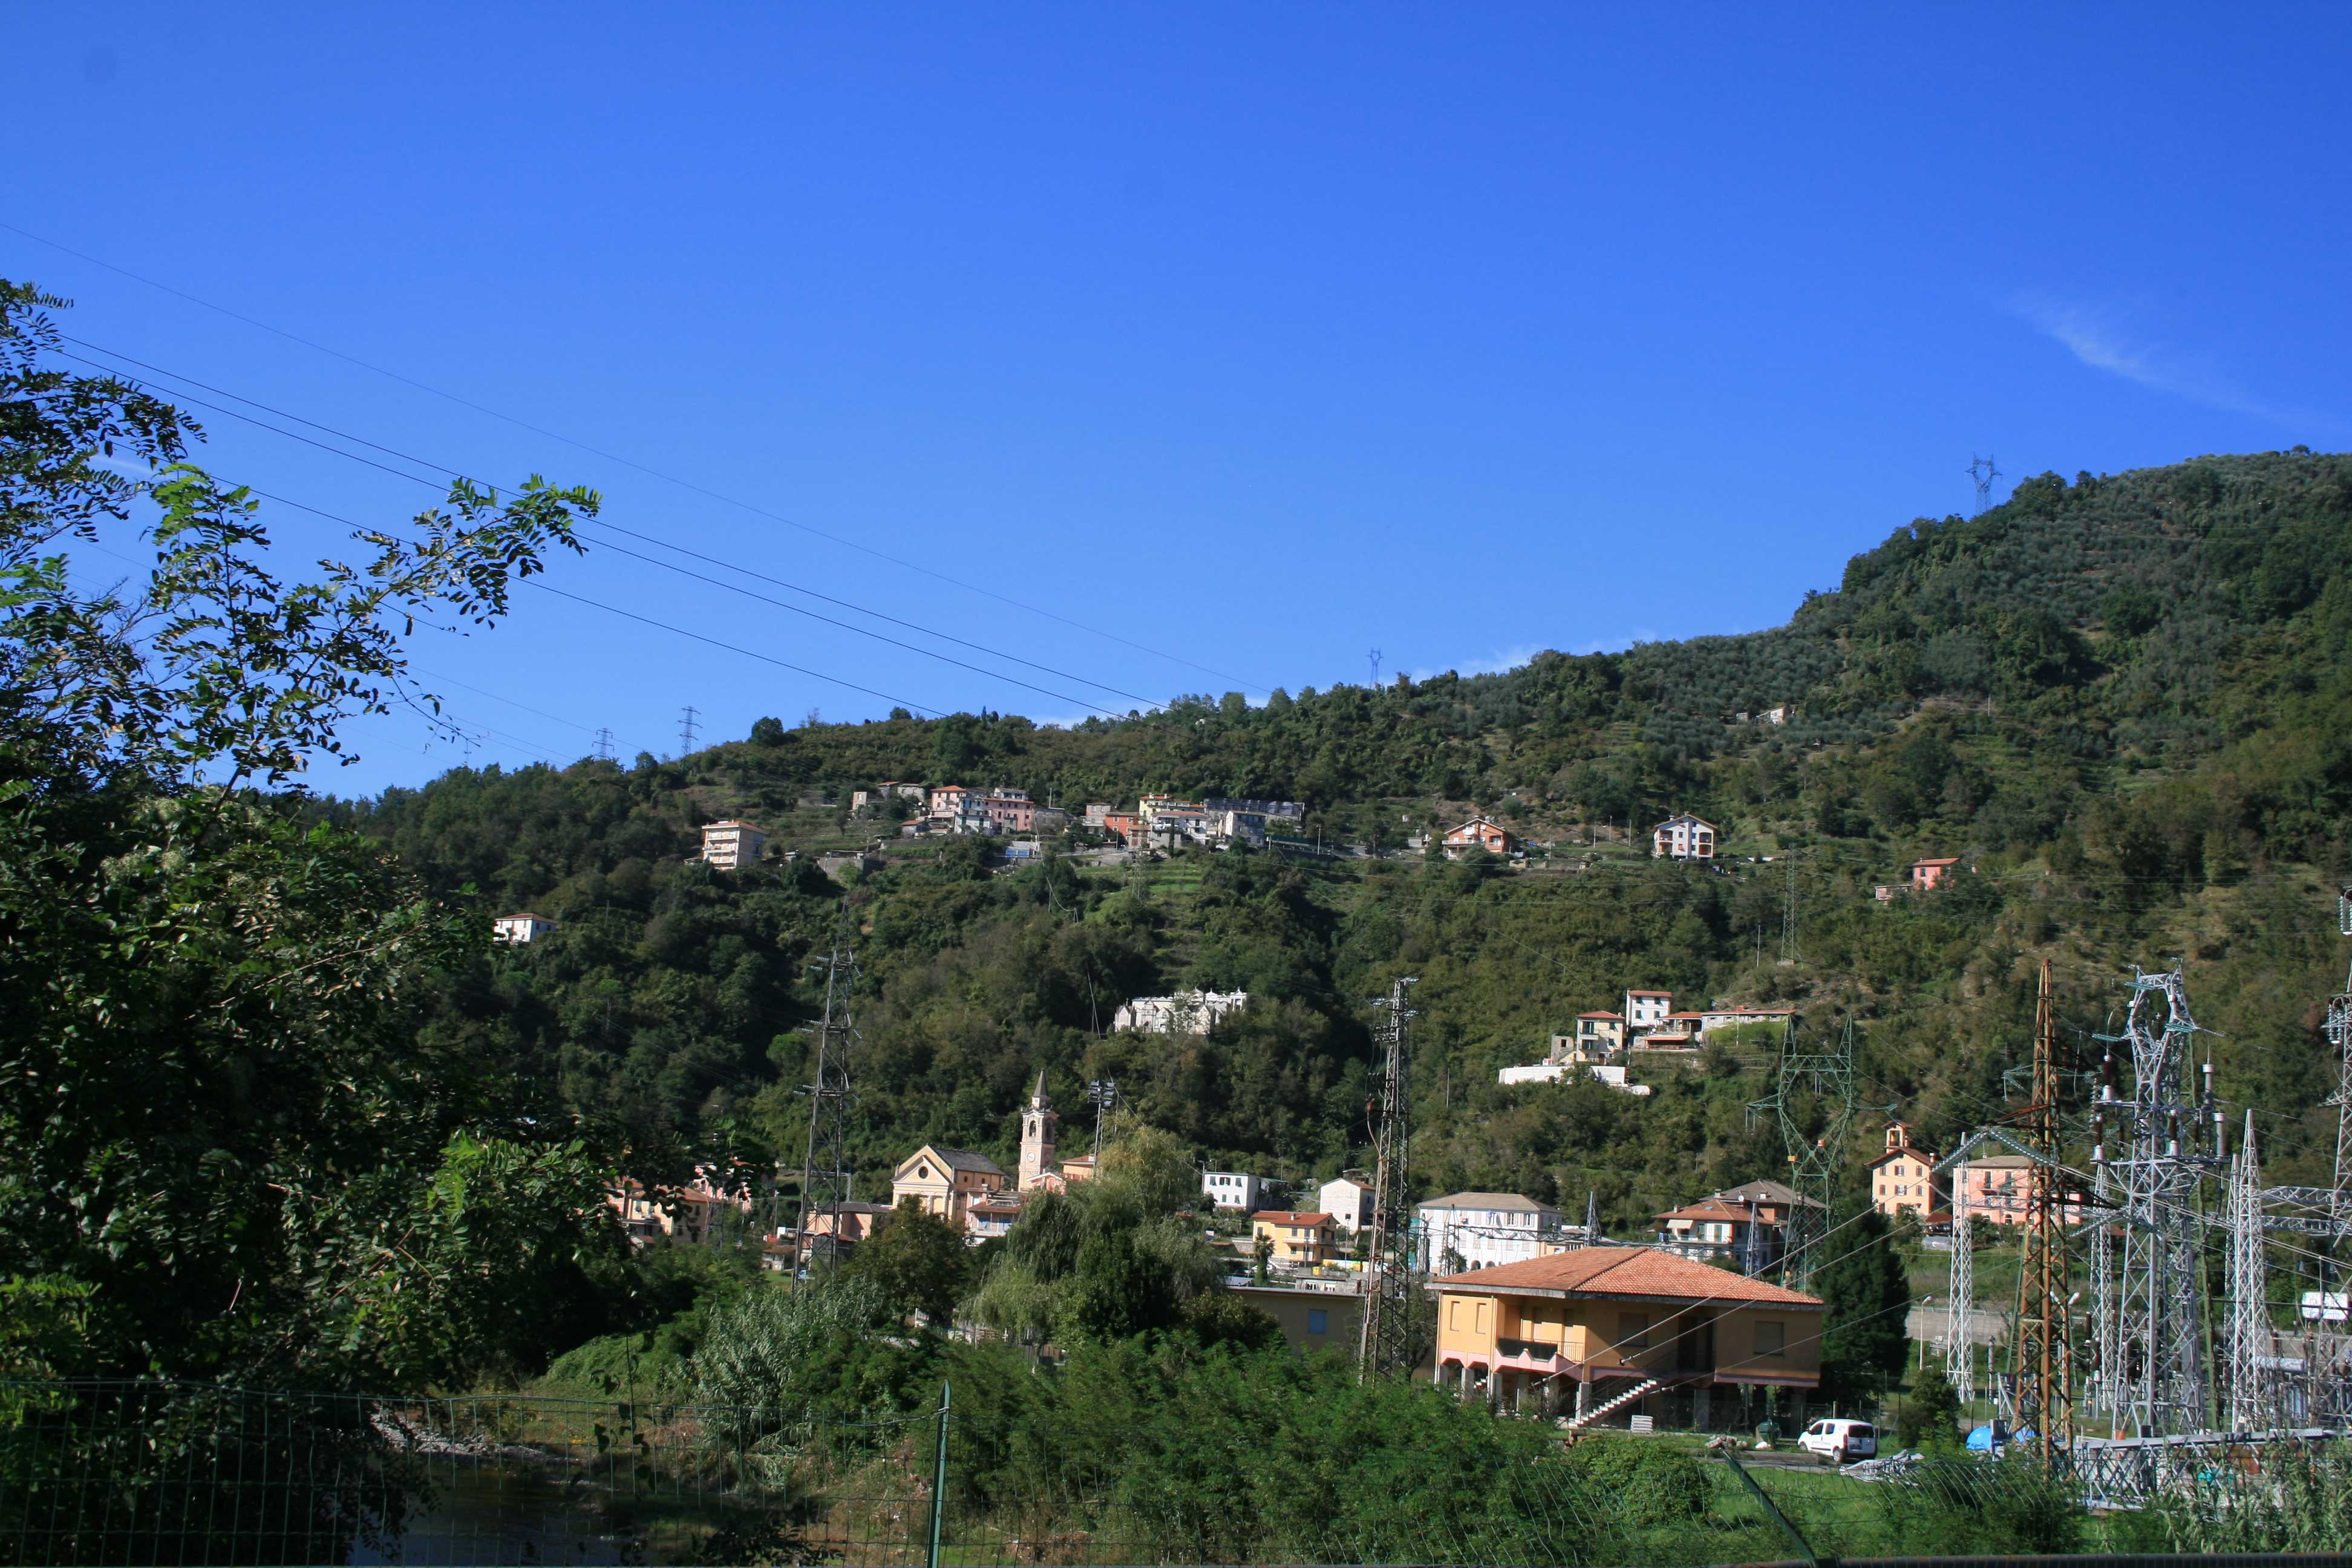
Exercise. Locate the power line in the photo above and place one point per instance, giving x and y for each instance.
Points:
(643, 620)
(629, 463)
(600, 524)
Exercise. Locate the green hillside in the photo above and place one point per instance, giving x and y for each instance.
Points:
(2123, 702)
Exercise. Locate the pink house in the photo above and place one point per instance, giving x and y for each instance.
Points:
(1929, 875)
(1995, 1188)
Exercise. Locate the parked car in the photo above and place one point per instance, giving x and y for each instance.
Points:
(1839, 1441)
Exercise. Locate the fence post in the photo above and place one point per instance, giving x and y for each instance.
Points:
(1804, 1550)
(938, 1479)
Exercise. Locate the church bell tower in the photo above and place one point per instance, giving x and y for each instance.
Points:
(1037, 1136)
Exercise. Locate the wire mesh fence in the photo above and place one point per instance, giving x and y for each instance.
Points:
(176, 1474)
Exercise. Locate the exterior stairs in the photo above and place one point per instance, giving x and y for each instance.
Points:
(1646, 1386)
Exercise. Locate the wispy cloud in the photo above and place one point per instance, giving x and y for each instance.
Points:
(2093, 335)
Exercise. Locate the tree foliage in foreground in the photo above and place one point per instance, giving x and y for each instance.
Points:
(225, 1152)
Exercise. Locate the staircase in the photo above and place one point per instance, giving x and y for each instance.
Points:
(1646, 1386)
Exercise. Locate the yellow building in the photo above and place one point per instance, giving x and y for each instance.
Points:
(945, 1182)
(1300, 1239)
(1311, 1319)
(1630, 1329)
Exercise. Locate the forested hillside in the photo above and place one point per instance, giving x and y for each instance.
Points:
(2123, 702)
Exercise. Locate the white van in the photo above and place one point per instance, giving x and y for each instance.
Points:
(1839, 1441)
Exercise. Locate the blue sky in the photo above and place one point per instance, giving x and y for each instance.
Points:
(1256, 336)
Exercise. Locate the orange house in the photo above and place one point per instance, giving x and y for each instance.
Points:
(1624, 1330)
(1926, 876)
(1479, 833)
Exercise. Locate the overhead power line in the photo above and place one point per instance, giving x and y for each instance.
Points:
(704, 490)
(631, 614)
(602, 524)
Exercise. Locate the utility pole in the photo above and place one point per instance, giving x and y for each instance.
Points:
(686, 730)
(825, 1178)
(2043, 1361)
(1102, 1093)
(1982, 471)
(1960, 1352)
(1386, 1348)
(605, 745)
(1788, 912)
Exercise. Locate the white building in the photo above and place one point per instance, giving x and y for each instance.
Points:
(1349, 1201)
(1236, 1190)
(1647, 1010)
(1565, 1070)
(730, 844)
(1485, 1229)
(1682, 838)
(520, 928)
(1185, 1013)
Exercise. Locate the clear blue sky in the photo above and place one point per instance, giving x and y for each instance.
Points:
(1259, 335)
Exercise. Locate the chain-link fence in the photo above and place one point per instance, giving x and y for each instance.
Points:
(166, 1473)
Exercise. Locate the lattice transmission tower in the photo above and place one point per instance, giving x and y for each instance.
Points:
(2169, 1145)
(1821, 1082)
(2249, 1343)
(825, 1178)
(2044, 1360)
(1387, 1348)
(1982, 471)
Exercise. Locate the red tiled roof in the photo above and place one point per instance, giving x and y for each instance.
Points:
(1629, 1271)
(1291, 1217)
(1708, 1208)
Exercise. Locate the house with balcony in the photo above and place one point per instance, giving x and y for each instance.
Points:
(1996, 1187)
(1682, 838)
(1479, 833)
(1646, 1010)
(730, 845)
(1608, 1333)
(1485, 1230)
(1600, 1036)
(1300, 1239)
(1712, 1228)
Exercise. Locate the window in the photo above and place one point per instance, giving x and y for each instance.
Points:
(1772, 1336)
(1319, 1321)
(1453, 1314)
(1633, 1331)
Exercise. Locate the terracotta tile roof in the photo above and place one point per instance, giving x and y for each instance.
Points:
(1291, 1217)
(1629, 1271)
(1708, 1208)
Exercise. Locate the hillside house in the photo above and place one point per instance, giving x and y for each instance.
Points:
(1009, 811)
(1647, 1010)
(1237, 1192)
(1903, 1177)
(1600, 1035)
(1126, 827)
(1995, 1187)
(522, 928)
(1926, 876)
(731, 845)
(1484, 1230)
(946, 1182)
(1479, 833)
(1300, 1239)
(1349, 1201)
(855, 1221)
(991, 1217)
(1185, 1013)
(1774, 1201)
(1712, 1228)
(1315, 1315)
(1635, 1327)
(1682, 838)
(947, 800)
(1097, 813)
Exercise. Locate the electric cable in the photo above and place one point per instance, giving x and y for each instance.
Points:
(599, 524)
(641, 468)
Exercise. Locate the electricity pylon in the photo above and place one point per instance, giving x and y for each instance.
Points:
(1816, 1159)
(826, 1177)
(2169, 1144)
(1386, 1347)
